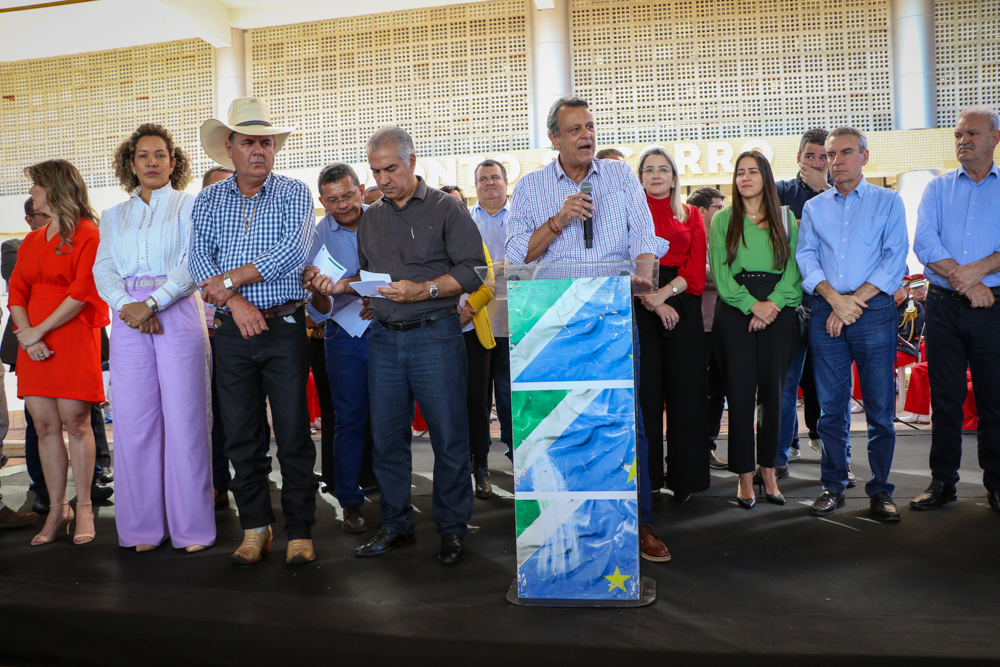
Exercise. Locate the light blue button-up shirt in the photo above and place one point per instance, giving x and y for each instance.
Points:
(959, 219)
(493, 228)
(342, 244)
(853, 240)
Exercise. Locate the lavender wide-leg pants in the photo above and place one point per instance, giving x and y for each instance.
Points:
(162, 428)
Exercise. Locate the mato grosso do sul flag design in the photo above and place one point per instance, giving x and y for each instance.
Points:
(573, 400)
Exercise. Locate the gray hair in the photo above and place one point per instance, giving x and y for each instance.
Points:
(392, 134)
(675, 200)
(845, 131)
(984, 111)
(553, 121)
(335, 171)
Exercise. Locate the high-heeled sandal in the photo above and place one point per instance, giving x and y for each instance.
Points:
(85, 537)
(140, 548)
(39, 540)
(194, 548)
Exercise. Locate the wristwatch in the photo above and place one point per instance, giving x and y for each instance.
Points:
(673, 290)
(227, 282)
(151, 302)
(433, 290)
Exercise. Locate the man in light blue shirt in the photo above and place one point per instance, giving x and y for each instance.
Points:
(958, 240)
(490, 213)
(342, 195)
(852, 255)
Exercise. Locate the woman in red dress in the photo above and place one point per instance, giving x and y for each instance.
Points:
(58, 315)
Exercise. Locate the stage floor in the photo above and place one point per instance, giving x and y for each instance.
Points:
(772, 586)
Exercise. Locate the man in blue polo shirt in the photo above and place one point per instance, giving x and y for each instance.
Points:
(958, 240)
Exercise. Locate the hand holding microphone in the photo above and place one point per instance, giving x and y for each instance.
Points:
(587, 188)
(578, 205)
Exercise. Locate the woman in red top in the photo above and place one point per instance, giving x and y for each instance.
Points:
(672, 337)
(58, 315)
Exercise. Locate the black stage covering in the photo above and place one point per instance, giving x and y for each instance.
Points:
(771, 586)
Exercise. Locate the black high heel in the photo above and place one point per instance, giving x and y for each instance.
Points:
(773, 498)
(745, 503)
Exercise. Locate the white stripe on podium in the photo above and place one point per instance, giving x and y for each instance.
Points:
(578, 495)
(582, 384)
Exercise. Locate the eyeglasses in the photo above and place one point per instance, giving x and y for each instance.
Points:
(662, 169)
(718, 206)
(336, 201)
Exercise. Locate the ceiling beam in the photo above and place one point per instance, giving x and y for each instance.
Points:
(210, 19)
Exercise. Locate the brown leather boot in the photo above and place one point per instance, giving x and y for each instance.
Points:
(650, 545)
(300, 552)
(254, 546)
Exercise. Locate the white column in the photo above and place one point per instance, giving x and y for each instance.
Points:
(914, 82)
(550, 64)
(910, 185)
(230, 74)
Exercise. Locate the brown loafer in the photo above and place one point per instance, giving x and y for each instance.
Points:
(354, 519)
(254, 546)
(11, 519)
(300, 552)
(650, 545)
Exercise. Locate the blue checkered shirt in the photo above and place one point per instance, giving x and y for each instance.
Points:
(277, 243)
(623, 225)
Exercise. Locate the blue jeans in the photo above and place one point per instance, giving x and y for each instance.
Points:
(871, 343)
(347, 367)
(427, 364)
(789, 404)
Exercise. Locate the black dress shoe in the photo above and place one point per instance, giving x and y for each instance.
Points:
(483, 487)
(852, 481)
(354, 519)
(717, 463)
(681, 497)
(781, 472)
(827, 503)
(41, 503)
(993, 498)
(937, 495)
(106, 476)
(99, 492)
(383, 542)
(452, 548)
(884, 507)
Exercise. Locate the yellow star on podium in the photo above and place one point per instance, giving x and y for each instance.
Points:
(617, 580)
(631, 471)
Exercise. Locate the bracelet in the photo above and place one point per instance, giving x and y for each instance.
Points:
(554, 227)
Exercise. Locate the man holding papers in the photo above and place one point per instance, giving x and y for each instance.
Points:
(429, 246)
(334, 254)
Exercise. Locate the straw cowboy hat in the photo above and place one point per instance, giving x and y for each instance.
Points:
(247, 115)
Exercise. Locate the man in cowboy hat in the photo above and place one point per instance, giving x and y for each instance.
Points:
(249, 241)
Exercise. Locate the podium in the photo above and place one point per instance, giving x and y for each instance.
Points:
(574, 412)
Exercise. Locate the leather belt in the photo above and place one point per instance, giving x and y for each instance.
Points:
(133, 282)
(270, 313)
(955, 296)
(419, 322)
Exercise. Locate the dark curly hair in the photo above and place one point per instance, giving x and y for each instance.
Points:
(125, 153)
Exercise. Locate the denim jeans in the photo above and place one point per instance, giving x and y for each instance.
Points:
(427, 364)
(279, 359)
(789, 404)
(871, 343)
(347, 368)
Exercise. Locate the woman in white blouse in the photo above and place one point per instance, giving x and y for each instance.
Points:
(159, 351)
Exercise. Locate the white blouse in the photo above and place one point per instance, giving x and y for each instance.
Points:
(141, 240)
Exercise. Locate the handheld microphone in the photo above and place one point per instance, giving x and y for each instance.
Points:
(586, 188)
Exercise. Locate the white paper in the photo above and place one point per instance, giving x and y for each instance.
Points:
(327, 265)
(349, 318)
(370, 282)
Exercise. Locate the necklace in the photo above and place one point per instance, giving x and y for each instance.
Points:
(253, 209)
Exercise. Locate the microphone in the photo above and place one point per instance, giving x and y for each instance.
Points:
(586, 188)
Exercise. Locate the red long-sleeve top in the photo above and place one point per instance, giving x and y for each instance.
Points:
(688, 245)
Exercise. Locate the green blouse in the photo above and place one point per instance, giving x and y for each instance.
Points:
(754, 256)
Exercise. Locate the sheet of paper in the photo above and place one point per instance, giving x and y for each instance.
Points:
(327, 265)
(370, 282)
(348, 318)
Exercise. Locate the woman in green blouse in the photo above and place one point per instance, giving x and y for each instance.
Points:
(756, 326)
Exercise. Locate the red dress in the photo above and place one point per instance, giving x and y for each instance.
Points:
(42, 280)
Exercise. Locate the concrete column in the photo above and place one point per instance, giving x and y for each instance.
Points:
(230, 74)
(910, 185)
(914, 83)
(550, 65)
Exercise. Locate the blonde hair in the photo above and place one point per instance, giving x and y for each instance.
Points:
(675, 199)
(65, 195)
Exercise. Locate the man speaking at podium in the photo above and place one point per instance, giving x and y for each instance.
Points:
(552, 221)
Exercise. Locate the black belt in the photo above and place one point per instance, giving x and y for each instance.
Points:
(744, 277)
(955, 296)
(276, 311)
(420, 322)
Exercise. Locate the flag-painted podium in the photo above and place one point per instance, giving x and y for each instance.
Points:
(574, 421)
